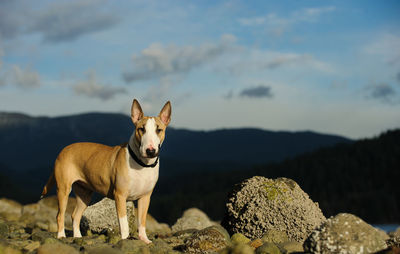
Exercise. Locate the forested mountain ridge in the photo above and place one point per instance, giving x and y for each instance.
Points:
(40, 139)
(360, 178)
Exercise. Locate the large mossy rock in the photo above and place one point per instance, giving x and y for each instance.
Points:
(258, 205)
(345, 233)
(102, 216)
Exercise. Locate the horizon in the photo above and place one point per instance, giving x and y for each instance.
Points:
(207, 130)
(326, 67)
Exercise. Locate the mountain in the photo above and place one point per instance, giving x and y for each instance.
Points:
(30, 142)
(360, 178)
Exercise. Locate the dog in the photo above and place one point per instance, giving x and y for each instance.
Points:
(124, 172)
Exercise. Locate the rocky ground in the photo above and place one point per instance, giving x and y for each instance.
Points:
(263, 216)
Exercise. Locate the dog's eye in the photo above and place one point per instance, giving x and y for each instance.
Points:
(141, 129)
(159, 131)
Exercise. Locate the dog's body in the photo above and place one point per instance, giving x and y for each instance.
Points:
(124, 172)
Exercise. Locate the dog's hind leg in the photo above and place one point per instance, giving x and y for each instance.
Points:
(62, 195)
(83, 197)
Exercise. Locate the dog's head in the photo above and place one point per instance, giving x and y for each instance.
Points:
(150, 131)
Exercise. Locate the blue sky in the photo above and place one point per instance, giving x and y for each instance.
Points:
(326, 66)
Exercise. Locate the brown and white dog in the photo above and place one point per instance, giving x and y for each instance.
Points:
(124, 172)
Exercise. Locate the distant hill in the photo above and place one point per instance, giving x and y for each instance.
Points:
(361, 178)
(31, 142)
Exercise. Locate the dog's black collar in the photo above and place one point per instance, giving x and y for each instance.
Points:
(138, 161)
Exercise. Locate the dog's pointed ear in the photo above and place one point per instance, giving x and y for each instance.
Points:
(136, 111)
(165, 113)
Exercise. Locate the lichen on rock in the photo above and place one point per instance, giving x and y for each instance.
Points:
(346, 234)
(258, 205)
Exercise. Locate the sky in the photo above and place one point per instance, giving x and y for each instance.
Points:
(325, 66)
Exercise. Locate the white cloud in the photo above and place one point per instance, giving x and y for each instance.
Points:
(277, 25)
(17, 76)
(158, 61)
(258, 60)
(1, 57)
(91, 88)
(2, 80)
(24, 78)
(311, 14)
(386, 47)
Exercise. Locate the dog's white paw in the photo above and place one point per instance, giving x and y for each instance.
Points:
(77, 235)
(145, 239)
(61, 234)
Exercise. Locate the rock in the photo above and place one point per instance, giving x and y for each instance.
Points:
(104, 250)
(4, 230)
(43, 214)
(51, 240)
(153, 226)
(132, 246)
(256, 243)
(89, 248)
(208, 240)
(239, 238)
(192, 218)
(268, 248)
(32, 246)
(394, 241)
(17, 243)
(390, 250)
(41, 236)
(30, 208)
(52, 203)
(10, 210)
(345, 233)
(159, 247)
(396, 233)
(240, 248)
(102, 216)
(59, 248)
(177, 239)
(90, 240)
(260, 204)
(5, 249)
(113, 239)
(291, 247)
(275, 236)
(52, 227)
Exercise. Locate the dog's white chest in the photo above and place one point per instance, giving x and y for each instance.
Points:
(141, 181)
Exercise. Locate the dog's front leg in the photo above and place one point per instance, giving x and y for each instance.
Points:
(120, 203)
(143, 206)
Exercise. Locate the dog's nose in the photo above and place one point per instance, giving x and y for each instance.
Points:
(151, 152)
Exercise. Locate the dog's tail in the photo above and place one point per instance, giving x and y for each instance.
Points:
(48, 185)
